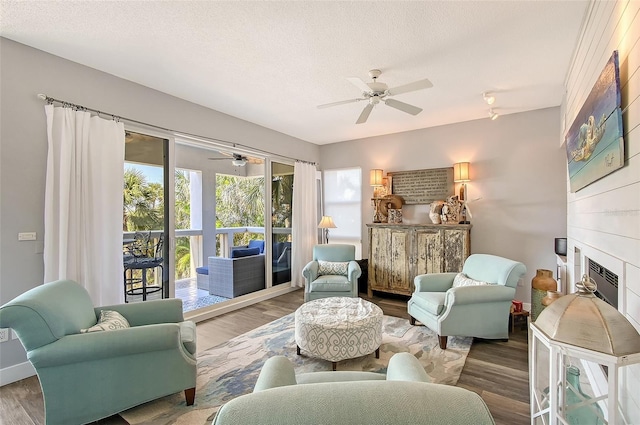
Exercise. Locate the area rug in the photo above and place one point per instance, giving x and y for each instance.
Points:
(231, 368)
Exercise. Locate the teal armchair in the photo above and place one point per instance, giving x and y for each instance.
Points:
(89, 376)
(479, 311)
(340, 282)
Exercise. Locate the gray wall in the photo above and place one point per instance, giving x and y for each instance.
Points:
(24, 72)
(517, 167)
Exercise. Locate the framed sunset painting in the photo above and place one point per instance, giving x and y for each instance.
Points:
(595, 146)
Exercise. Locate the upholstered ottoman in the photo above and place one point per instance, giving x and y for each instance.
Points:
(338, 328)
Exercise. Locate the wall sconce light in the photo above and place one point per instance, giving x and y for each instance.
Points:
(461, 175)
(325, 224)
(489, 98)
(376, 180)
(493, 115)
(375, 177)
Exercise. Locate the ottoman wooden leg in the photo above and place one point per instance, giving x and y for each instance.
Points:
(378, 353)
(334, 366)
(298, 349)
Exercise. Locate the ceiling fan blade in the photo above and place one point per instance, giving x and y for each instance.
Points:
(365, 114)
(416, 85)
(364, 88)
(404, 107)
(342, 102)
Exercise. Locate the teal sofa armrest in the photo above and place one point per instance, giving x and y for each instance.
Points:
(277, 372)
(148, 312)
(95, 346)
(433, 282)
(405, 367)
(478, 294)
(353, 271)
(310, 271)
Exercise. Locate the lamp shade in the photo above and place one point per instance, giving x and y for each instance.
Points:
(375, 177)
(326, 223)
(461, 172)
(585, 321)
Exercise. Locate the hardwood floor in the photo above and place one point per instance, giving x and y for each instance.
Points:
(497, 370)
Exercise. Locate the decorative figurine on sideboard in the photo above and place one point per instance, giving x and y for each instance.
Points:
(451, 210)
(435, 209)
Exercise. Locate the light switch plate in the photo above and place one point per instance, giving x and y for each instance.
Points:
(27, 236)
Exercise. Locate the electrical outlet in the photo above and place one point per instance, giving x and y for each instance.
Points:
(4, 334)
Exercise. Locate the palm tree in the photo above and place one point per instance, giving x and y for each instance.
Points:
(239, 203)
(140, 210)
(281, 195)
(183, 221)
(183, 200)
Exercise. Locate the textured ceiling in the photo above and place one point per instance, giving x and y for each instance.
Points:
(272, 63)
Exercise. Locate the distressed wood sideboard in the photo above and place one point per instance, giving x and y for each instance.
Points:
(400, 252)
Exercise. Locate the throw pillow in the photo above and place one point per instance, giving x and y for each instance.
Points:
(244, 252)
(332, 267)
(257, 244)
(462, 279)
(109, 321)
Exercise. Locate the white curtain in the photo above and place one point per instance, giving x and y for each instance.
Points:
(304, 223)
(83, 203)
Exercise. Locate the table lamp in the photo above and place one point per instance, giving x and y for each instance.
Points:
(325, 224)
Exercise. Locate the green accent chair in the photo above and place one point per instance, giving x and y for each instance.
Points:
(402, 396)
(89, 376)
(479, 311)
(331, 285)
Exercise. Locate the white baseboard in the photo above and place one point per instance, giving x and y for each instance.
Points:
(16, 372)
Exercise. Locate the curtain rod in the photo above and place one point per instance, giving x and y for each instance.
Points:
(65, 104)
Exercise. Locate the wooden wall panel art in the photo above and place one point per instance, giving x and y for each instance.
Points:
(423, 186)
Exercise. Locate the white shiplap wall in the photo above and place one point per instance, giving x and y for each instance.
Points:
(603, 219)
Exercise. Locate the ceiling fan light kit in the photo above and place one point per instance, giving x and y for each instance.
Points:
(489, 98)
(376, 92)
(238, 160)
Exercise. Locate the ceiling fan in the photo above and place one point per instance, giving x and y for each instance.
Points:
(238, 160)
(376, 92)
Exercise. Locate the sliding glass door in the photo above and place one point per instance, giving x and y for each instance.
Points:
(205, 201)
(145, 217)
(281, 213)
